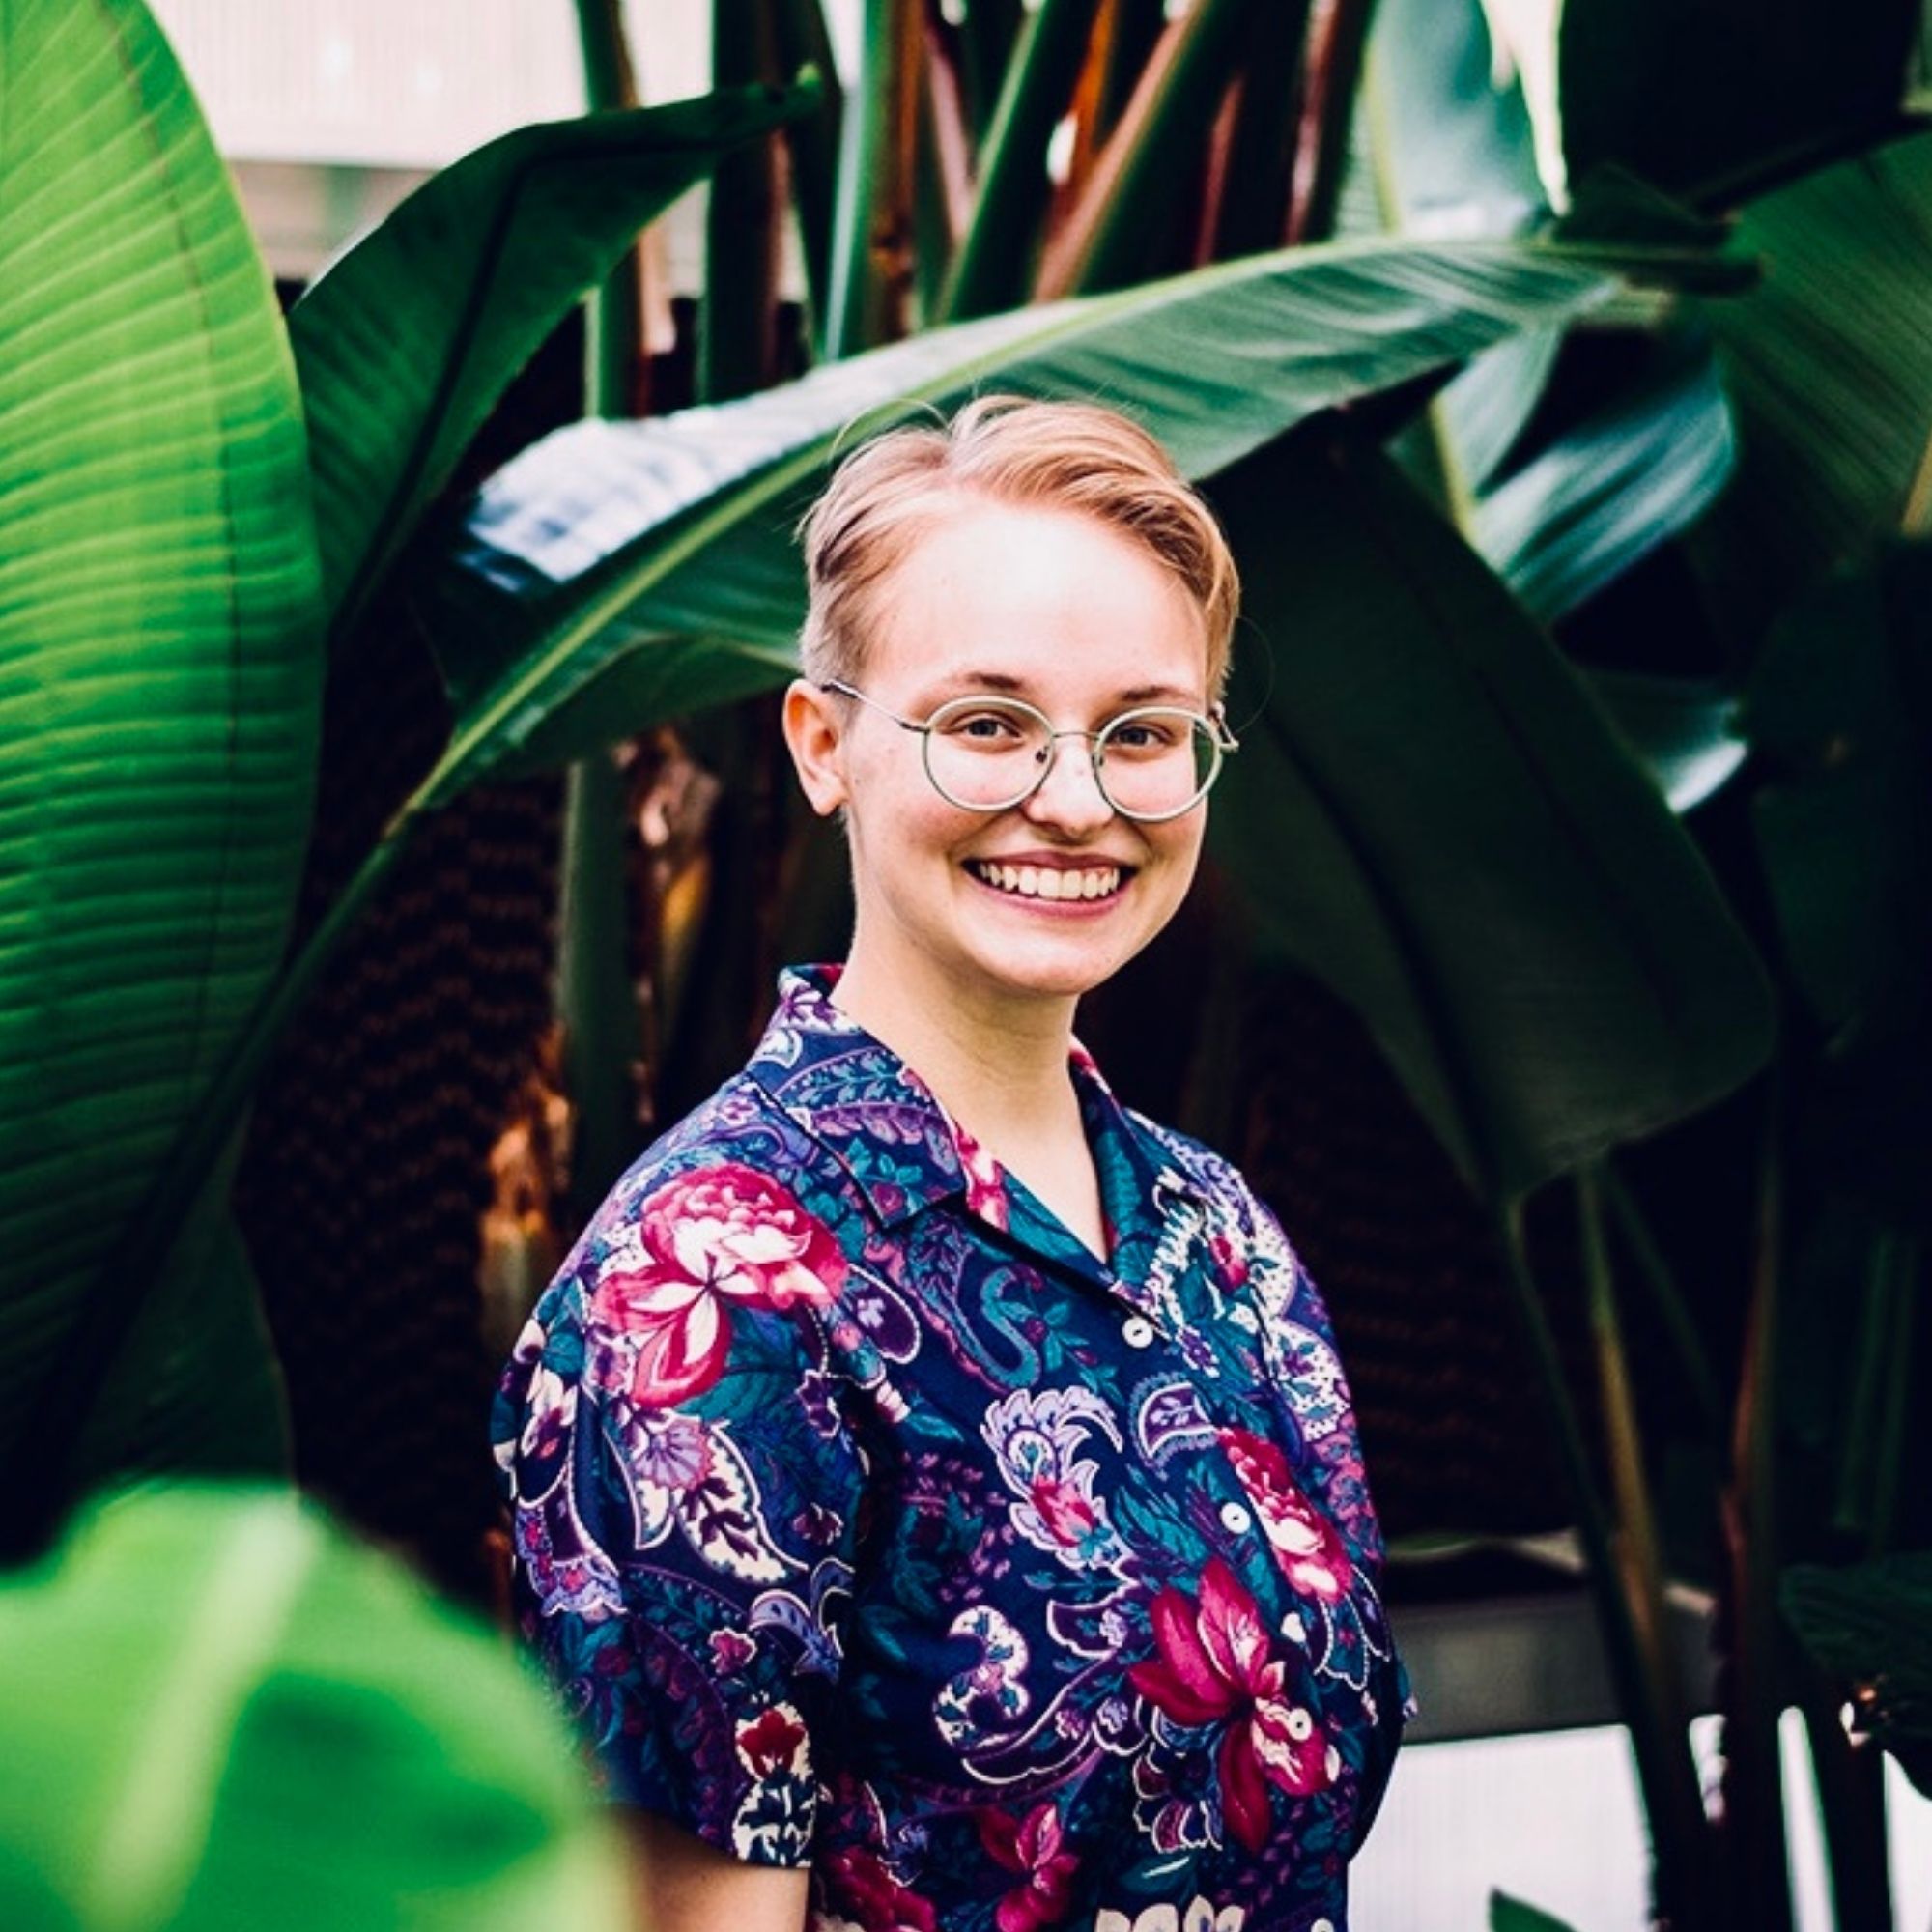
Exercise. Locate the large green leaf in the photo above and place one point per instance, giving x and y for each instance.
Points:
(1871, 1627)
(234, 1716)
(1685, 730)
(1431, 814)
(191, 1381)
(1597, 499)
(1840, 710)
(406, 343)
(1452, 153)
(1602, 484)
(160, 664)
(606, 536)
(1451, 137)
(1723, 94)
(1829, 362)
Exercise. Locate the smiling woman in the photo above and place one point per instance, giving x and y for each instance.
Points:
(935, 1489)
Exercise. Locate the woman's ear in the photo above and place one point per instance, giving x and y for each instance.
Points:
(813, 728)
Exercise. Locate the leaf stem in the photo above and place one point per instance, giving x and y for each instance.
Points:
(872, 239)
(1851, 1807)
(1679, 1834)
(1665, 1296)
(812, 144)
(989, 272)
(1753, 1781)
(1642, 1562)
(1128, 202)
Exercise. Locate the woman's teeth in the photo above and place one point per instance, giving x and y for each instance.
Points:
(1049, 882)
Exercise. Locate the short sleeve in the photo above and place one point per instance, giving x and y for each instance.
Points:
(684, 1489)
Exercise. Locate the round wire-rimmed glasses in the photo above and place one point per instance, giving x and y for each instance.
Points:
(988, 754)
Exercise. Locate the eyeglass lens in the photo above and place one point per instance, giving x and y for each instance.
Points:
(1154, 762)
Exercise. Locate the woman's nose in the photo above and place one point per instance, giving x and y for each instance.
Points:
(1070, 794)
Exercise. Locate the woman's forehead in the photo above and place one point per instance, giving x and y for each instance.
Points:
(1027, 601)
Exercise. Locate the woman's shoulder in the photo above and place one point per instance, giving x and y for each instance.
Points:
(737, 1155)
(1197, 1166)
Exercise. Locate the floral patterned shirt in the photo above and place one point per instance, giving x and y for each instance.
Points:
(870, 1522)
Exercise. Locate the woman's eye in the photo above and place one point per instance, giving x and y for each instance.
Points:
(1144, 738)
(986, 727)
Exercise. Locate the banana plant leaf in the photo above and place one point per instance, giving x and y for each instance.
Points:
(1714, 99)
(407, 341)
(1431, 814)
(1830, 363)
(1566, 516)
(1453, 146)
(1685, 729)
(159, 675)
(1453, 154)
(603, 538)
(1585, 507)
(1870, 1626)
(1481, 415)
(193, 1384)
(235, 1716)
(1841, 709)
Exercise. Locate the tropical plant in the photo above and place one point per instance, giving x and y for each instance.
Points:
(1790, 594)
(392, 389)
(165, 636)
(214, 1688)
(1423, 734)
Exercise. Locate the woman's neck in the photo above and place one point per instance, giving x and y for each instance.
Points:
(999, 1067)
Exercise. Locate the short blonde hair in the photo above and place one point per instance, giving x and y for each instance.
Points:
(1008, 450)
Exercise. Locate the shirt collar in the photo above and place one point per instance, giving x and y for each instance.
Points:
(885, 1125)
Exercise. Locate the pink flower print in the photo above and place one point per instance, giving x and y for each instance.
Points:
(1213, 1668)
(858, 1882)
(775, 1741)
(1307, 1547)
(1031, 1848)
(1071, 1518)
(731, 1651)
(725, 1234)
(1231, 1263)
(985, 1179)
(1036, 1437)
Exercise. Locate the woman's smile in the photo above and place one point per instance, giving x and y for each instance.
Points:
(1055, 884)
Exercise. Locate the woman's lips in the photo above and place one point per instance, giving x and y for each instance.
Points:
(1090, 884)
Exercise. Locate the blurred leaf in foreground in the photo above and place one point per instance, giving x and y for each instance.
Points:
(237, 1717)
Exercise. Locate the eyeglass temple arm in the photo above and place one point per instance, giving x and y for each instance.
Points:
(846, 689)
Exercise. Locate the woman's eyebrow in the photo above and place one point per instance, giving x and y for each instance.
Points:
(1151, 693)
(983, 680)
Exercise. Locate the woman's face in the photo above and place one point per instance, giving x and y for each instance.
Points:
(1054, 607)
